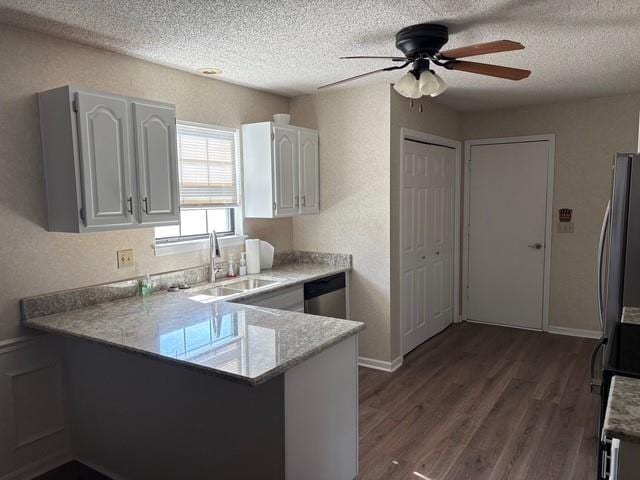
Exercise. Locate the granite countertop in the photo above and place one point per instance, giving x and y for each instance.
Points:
(622, 418)
(631, 315)
(239, 342)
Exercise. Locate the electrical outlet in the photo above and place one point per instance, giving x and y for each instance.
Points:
(565, 227)
(125, 258)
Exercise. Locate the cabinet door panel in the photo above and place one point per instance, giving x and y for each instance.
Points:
(309, 173)
(285, 179)
(105, 159)
(155, 137)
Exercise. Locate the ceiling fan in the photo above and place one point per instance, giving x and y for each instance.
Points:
(421, 46)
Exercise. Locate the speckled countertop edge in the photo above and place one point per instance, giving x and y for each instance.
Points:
(251, 381)
(622, 417)
(631, 315)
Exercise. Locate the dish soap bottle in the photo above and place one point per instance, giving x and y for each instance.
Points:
(243, 264)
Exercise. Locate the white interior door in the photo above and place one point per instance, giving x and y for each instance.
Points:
(507, 231)
(427, 226)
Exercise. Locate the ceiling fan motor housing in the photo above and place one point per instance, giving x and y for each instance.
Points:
(422, 40)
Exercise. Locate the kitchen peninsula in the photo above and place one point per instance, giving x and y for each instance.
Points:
(244, 391)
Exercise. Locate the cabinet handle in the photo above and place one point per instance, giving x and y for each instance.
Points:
(130, 202)
(304, 201)
(146, 205)
(274, 206)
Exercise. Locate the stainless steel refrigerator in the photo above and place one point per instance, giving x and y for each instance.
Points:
(618, 285)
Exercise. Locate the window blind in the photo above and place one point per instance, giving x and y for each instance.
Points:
(207, 160)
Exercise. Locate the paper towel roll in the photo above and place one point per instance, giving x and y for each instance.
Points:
(252, 247)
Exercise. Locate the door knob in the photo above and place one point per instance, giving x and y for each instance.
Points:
(535, 246)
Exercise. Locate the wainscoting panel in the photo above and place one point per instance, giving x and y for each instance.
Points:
(33, 434)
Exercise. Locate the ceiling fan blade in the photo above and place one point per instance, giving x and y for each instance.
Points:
(393, 59)
(487, 69)
(481, 49)
(380, 70)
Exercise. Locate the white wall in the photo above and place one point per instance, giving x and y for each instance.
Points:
(34, 261)
(354, 199)
(588, 134)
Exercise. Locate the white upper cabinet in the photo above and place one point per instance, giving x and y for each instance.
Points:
(281, 169)
(105, 160)
(155, 138)
(309, 172)
(285, 163)
(110, 161)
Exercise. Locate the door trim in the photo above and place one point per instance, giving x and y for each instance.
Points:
(551, 138)
(408, 134)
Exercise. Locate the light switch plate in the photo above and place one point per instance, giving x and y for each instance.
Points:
(125, 258)
(565, 227)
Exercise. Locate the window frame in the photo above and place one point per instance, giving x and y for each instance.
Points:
(185, 243)
(201, 236)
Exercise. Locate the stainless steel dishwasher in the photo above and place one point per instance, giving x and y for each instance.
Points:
(326, 297)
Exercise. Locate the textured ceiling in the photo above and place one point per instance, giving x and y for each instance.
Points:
(575, 48)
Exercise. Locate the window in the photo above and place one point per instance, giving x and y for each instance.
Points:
(208, 169)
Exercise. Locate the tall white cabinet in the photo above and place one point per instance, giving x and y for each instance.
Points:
(281, 170)
(110, 161)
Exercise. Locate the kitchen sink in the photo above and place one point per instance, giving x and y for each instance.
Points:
(214, 292)
(207, 294)
(249, 284)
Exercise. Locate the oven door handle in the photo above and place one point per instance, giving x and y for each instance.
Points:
(596, 384)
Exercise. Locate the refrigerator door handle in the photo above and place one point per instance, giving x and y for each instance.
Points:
(601, 246)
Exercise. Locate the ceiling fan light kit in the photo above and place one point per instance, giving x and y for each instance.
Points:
(408, 86)
(442, 86)
(421, 45)
(428, 83)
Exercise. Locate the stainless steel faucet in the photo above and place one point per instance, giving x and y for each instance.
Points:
(214, 252)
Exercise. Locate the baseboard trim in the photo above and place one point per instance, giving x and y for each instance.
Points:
(40, 466)
(380, 364)
(575, 332)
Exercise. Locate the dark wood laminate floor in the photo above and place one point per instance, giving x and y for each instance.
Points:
(482, 402)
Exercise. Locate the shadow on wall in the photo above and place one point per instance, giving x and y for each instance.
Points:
(20, 19)
(22, 186)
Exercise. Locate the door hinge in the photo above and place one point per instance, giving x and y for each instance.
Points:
(74, 104)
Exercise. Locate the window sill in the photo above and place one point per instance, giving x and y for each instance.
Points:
(174, 248)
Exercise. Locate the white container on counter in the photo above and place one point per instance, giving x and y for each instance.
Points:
(252, 249)
(266, 255)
